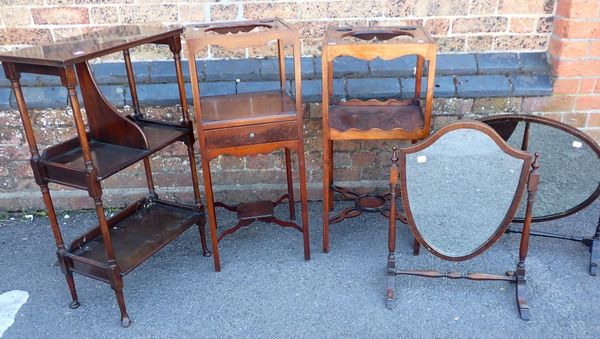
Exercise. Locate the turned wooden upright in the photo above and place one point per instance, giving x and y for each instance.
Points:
(250, 123)
(372, 119)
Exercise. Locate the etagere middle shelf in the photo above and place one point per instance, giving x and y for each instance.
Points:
(107, 144)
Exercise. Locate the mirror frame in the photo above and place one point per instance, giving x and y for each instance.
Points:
(503, 146)
(561, 126)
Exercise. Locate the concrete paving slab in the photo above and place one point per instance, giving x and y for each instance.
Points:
(266, 289)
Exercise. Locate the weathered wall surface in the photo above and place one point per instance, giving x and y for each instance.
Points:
(471, 84)
(458, 25)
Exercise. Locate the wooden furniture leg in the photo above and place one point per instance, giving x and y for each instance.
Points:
(113, 271)
(290, 183)
(198, 201)
(416, 245)
(391, 262)
(304, 200)
(595, 251)
(327, 193)
(60, 247)
(210, 206)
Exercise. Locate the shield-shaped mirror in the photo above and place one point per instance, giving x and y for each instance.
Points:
(461, 189)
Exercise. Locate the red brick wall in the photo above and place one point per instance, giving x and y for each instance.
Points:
(568, 29)
(574, 53)
(458, 25)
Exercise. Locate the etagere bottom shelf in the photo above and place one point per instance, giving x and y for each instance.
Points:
(137, 232)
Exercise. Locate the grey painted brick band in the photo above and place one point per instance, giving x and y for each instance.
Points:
(456, 64)
(376, 88)
(483, 86)
(532, 85)
(443, 87)
(457, 75)
(498, 63)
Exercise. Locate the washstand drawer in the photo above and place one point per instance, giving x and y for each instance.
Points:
(250, 135)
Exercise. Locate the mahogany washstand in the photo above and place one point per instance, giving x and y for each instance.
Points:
(250, 123)
(372, 119)
(110, 143)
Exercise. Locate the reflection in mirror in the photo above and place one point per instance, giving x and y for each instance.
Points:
(569, 171)
(458, 195)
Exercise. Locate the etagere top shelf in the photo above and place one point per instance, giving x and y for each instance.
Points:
(89, 45)
(114, 142)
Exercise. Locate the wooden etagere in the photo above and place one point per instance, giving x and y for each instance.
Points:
(250, 123)
(372, 119)
(108, 144)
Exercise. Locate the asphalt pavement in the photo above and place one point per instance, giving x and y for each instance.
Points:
(266, 289)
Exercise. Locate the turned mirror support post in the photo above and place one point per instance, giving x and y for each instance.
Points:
(524, 246)
(391, 262)
(595, 251)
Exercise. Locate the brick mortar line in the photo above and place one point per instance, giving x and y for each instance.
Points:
(583, 58)
(560, 39)
(432, 17)
(592, 20)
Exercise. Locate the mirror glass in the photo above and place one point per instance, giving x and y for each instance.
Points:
(569, 167)
(459, 189)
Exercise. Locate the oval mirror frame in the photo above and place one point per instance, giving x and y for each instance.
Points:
(526, 157)
(490, 121)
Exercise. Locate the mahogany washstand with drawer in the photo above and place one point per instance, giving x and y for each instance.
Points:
(250, 123)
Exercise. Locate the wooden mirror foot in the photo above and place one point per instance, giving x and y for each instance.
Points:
(521, 290)
(74, 304)
(390, 301)
(594, 256)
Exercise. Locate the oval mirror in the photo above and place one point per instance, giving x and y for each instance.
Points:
(569, 163)
(461, 188)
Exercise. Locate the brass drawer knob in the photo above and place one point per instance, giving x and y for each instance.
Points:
(251, 136)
